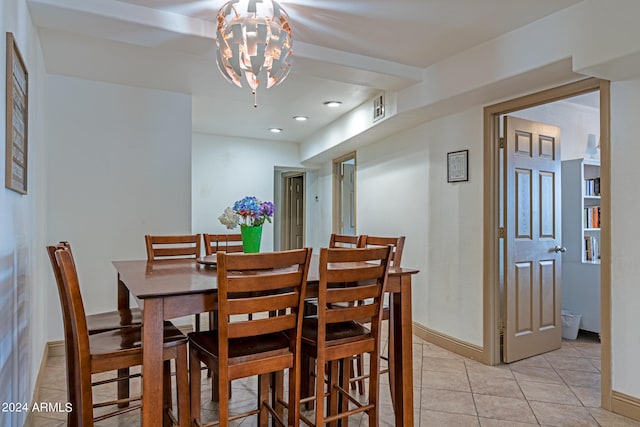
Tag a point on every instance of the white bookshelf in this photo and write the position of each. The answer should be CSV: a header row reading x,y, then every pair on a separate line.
x,y
581,237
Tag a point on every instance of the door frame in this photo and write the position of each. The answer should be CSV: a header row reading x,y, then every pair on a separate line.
x,y
337,191
286,214
491,211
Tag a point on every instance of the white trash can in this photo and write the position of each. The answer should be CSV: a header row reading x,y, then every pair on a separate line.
x,y
570,324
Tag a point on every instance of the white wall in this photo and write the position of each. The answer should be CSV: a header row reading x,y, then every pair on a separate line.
x,y
22,229
119,168
226,169
625,235
324,205
402,189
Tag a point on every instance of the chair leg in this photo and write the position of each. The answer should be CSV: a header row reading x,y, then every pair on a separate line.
x,y
320,401
277,392
223,392
345,377
332,405
294,396
215,397
197,322
182,387
195,377
213,325
123,386
263,400
374,389
166,391
306,380
391,359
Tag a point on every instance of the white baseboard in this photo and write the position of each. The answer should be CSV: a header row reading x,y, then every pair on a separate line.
x,y
447,342
626,405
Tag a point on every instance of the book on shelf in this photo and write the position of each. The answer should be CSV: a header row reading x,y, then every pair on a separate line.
x,y
591,249
592,187
592,217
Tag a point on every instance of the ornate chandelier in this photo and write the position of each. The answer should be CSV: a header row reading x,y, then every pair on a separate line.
x,y
253,38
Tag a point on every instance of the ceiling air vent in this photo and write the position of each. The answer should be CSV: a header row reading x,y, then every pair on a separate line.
x,y
378,107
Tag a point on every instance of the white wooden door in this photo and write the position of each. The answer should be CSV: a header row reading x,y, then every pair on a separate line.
x,y
533,243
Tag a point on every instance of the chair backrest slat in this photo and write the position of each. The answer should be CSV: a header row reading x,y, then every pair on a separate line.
x,y
354,274
352,293
345,241
173,252
229,243
257,283
175,246
258,303
267,325
357,312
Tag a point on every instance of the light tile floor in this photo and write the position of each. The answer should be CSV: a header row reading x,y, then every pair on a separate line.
x,y
560,388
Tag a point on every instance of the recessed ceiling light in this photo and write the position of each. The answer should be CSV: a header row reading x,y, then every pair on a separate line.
x,y
300,118
333,104
275,130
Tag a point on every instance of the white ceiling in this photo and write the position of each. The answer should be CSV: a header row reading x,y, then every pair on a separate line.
x,y
345,50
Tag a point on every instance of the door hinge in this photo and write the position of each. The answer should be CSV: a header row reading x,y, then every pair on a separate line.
x,y
501,142
501,233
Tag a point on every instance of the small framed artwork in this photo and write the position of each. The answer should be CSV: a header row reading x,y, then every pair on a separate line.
x,y
458,166
16,119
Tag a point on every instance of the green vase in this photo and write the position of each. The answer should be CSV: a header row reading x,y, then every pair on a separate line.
x,y
251,238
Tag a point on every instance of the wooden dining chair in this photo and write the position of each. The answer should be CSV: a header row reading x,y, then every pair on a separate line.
x,y
102,322
272,287
174,247
397,245
338,331
109,351
222,242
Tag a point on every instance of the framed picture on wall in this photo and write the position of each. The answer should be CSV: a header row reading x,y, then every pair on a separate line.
x,y
458,166
17,92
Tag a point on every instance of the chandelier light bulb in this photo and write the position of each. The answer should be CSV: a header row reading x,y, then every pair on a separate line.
x,y
254,41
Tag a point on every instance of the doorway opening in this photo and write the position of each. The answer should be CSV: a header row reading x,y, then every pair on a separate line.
x,y
293,211
344,195
494,322
579,199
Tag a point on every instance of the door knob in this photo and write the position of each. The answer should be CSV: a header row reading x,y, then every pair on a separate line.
x,y
560,249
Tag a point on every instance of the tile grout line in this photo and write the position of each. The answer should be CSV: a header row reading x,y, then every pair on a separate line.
x,y
569,387
473,396
525,395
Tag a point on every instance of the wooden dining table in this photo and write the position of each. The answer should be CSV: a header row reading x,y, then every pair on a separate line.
x,y
169,289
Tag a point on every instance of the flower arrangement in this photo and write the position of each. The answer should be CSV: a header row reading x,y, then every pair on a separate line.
x,y
248,212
